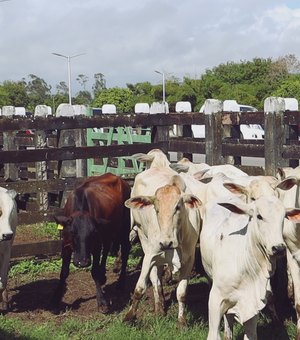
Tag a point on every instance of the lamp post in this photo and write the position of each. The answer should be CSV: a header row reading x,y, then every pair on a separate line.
x,y
164,88
69,70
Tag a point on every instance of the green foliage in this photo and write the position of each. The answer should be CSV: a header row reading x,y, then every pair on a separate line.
x,y
83,98
13,93
32,268
111,327
122,98
38,91
290,88
142,92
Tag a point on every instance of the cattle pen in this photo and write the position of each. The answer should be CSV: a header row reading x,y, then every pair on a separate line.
x,y
43,158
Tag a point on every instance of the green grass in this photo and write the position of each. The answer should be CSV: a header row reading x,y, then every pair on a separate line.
x,y
111,327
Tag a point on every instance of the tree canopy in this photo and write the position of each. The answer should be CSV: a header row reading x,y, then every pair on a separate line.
x,y
248,82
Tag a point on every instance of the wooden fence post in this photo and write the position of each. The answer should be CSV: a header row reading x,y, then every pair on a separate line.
x,y
213,131
274,134
292,131
9,144
160,133
40,142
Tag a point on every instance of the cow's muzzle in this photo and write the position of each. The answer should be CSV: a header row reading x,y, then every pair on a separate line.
x,y
279,250
166,245
82,263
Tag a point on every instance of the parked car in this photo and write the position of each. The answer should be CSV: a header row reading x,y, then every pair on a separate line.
x,y
248,131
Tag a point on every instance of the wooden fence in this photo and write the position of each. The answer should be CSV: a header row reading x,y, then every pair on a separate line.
x,y
38,155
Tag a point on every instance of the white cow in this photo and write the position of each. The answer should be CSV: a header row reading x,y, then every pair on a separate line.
x,y
239,246
154,158
185,165
291,235
8,224
168,222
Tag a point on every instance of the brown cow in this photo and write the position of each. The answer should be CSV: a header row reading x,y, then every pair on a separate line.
x,y
95,218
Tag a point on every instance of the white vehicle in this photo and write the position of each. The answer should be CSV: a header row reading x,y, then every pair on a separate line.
x,y
251,131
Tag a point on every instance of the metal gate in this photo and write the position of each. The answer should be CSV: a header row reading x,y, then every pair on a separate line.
x,y
110,136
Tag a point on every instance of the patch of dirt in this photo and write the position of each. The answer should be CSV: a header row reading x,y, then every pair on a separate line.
x,y
31,300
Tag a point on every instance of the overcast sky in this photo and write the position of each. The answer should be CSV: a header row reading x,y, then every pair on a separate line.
x,y
127,40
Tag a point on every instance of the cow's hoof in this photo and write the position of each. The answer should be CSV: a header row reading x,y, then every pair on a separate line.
x,y
129,318
181,323
159,310
103,309
5,306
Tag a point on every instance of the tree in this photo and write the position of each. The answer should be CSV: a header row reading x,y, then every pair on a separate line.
x,y
142,92
38,91
82,79
290,88
291,62
100,83
62,88
122,98
83,98
14,93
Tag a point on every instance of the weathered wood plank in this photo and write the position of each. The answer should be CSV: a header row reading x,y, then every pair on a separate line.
x,y
44,248
71,153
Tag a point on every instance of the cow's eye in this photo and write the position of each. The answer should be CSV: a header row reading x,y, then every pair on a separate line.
x,y
259,217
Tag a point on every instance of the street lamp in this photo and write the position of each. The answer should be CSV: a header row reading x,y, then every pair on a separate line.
x,y
164,88
69,70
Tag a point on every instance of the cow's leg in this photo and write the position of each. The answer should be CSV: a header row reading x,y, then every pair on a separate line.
x,y
184,275
216,311
295,275
125,249
140,288
99,277
66,255
228,326
5,258
5,299
250,328
159,300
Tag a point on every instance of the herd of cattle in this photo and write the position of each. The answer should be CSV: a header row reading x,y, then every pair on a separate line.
x,y
243,224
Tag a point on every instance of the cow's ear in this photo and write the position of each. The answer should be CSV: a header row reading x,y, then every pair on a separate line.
x,y
199,175
235,188
238,209
191,201
62,220
139,202
293,215
287,183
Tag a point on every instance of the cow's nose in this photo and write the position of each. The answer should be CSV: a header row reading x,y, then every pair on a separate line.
x,y
165,245
83,263
279,250
7,237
